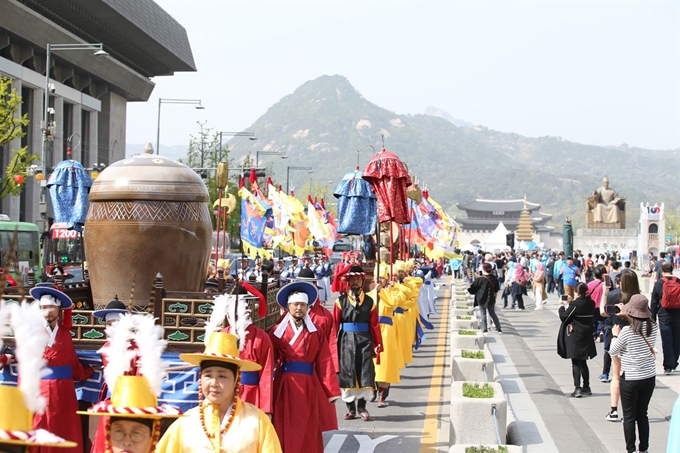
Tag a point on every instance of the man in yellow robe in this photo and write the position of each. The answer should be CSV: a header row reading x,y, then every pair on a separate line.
x,y
391,359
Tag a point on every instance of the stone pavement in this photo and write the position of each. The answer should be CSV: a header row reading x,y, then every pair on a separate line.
x,y
538,383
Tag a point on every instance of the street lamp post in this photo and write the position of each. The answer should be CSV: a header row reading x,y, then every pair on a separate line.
x,y
267,153
47,130
195,102
250,135
288,169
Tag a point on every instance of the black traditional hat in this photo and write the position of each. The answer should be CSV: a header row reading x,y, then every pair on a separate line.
x,y
355,270
306,274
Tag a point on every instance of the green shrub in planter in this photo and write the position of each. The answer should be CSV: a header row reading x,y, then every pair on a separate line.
x,y
477,390
464,318
472,354
467,332
482,449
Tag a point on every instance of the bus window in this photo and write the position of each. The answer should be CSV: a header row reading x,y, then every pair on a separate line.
x,y
27,247
65,247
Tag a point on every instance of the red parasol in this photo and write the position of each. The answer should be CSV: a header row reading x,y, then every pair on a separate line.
x,y
389,179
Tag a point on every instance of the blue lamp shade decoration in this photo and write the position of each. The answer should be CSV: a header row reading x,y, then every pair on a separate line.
x,y
69,186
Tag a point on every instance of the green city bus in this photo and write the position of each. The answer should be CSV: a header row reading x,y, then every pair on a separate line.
x,y
27,248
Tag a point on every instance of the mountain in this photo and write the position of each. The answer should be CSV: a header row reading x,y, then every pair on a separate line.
x,y
434,111
325,121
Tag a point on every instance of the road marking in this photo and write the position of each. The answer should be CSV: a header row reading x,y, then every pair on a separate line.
x,y
335,444
367,445
430,427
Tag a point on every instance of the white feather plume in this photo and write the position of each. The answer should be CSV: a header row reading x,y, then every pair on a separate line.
x,y
31,338
118,353
238,318
222,307
149,339
242,322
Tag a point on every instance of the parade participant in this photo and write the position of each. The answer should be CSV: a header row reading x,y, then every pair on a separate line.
x,y
390,360
303,358
356,318
323,320
294,268
222,421
256,387
132,415
59,387
18,404
339,284
322,272
111,314
408,314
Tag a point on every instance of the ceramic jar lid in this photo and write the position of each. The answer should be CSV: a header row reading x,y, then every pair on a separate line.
x,y
149,177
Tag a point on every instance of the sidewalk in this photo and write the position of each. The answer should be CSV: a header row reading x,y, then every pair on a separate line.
x,y
538,383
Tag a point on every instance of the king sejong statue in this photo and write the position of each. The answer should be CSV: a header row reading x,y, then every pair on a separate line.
x,y
605,209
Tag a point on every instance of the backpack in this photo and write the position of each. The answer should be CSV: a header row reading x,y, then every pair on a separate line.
x,y
670,296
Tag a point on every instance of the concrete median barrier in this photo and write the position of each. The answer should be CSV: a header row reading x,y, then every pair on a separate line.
x,y
478,420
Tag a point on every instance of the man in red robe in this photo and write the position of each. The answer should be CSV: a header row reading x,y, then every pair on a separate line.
x,y
323,321
58,387
304,364
257,387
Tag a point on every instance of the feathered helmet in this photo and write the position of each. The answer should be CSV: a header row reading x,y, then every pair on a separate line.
x,y
18,404
134,397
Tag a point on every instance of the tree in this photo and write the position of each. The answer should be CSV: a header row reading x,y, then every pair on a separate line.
x,y
13,127
203,155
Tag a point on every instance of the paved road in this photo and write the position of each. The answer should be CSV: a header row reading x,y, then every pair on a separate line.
x,y
537,382
417,417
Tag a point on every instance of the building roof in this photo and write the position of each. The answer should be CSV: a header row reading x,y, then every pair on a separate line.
x,y
480,204
470,223
138,33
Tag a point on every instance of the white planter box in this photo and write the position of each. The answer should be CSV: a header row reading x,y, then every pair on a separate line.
x,y
472,370
471,342
460,448
462,312
464,324
472,419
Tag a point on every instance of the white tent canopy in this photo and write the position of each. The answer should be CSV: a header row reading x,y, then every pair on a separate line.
x,y
496,241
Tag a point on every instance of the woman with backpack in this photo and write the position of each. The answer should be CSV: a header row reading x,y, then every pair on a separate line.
x,y
485,289
635,345
520,279
538,280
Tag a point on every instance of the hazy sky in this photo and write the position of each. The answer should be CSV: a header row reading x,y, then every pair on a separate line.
x,y
600,71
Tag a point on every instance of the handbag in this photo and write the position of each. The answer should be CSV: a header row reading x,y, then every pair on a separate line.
x,y
565,330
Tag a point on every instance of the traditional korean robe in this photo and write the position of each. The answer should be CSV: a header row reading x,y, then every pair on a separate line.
x,y
355,348
323,320
250,432
391,357
60,415
304,363
411,290
257,387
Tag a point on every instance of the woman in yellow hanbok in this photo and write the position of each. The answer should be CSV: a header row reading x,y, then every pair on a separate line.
x,y
222,422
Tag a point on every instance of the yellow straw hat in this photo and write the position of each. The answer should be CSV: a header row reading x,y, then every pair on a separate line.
x,y
132,398
383,271
222,347
399,266
16,423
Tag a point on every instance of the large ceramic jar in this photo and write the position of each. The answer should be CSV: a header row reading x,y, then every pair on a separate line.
x,y
148,214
